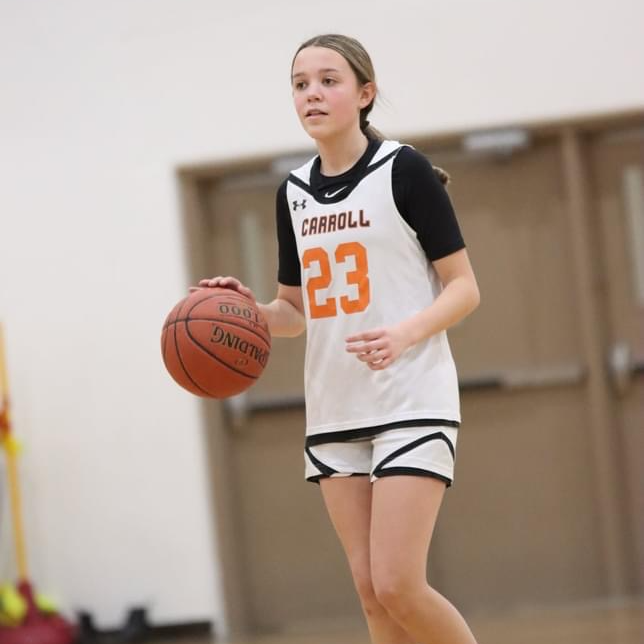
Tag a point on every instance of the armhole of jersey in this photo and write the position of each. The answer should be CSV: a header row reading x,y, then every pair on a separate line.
x,y
407,225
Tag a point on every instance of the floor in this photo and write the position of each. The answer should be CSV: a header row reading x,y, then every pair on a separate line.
x,y
589,624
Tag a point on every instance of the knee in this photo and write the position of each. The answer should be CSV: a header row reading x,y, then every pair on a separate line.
x,y
395,590
365,589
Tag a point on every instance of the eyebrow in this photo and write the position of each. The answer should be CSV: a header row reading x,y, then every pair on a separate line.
x,y
322,71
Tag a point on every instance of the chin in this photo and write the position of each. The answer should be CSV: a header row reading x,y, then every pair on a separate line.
x,y
320,133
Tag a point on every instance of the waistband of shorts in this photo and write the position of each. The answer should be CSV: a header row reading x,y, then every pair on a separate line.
x,y
368,432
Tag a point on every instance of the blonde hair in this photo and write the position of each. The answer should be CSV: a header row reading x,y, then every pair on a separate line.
x,y
360,62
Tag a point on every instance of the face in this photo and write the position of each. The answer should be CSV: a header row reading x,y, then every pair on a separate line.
x,y
327,96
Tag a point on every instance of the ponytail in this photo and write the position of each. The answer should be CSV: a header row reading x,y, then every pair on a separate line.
x,y
442,175
367,129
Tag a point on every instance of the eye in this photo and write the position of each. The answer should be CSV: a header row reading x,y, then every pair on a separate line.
x,y
329,81
299,85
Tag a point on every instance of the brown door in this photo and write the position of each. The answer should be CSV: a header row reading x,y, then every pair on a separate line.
x,y
518,527
616,159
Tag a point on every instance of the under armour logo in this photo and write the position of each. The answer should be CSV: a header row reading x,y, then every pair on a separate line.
x,y
301,204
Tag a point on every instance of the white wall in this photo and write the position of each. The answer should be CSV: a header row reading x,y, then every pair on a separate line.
x,y
100,101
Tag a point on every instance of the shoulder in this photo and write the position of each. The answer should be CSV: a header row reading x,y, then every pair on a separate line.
x,y
281,190
281,201
410,162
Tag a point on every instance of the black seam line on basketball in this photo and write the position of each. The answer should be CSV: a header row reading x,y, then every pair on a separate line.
x,y
325,469
225,321
165,344
414,471
212,355
180,306
177,308
350,187
176,347
416,443
368,432
231,294
183,303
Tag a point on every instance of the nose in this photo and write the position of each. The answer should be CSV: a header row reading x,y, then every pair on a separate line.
x,y
313,92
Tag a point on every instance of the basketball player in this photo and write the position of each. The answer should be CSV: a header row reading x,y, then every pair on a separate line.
x,y
373,265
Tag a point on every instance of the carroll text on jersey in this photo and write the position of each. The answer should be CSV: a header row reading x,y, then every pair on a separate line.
x,y
333,222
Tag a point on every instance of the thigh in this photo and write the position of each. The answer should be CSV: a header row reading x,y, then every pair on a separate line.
x,y
404,512
348,502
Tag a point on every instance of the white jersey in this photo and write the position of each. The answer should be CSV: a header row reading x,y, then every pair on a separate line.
x,y
362,267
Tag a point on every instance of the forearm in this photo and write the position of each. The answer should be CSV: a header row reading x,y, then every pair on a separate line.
x,y
455,302
283,318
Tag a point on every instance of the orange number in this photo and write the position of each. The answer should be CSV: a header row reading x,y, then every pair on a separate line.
x,y
359,277
328,309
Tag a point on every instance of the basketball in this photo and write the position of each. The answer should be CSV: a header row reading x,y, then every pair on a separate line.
x,y
215,343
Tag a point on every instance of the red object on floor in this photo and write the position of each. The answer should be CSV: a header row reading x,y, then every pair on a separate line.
x,y
38,628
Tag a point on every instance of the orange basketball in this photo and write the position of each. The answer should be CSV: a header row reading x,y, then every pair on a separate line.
x,y
215,343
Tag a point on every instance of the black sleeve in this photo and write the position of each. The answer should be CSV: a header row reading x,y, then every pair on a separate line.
x,y
424,204
288,272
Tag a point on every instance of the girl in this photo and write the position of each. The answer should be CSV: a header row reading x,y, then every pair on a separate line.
x,y
373,265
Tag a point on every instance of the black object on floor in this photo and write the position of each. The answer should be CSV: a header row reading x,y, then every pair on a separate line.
x,y
135,629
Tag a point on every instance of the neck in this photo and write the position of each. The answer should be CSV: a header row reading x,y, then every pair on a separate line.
x,y
339,154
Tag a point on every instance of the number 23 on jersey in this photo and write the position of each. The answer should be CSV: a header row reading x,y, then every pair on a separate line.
x,y
358,277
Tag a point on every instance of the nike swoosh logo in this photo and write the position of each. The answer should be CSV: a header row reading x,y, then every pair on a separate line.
x,y
328,195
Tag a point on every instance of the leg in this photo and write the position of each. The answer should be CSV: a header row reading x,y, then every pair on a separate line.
x,y
404,511
348,502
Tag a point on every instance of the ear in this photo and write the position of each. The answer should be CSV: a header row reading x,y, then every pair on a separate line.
x,y
367,94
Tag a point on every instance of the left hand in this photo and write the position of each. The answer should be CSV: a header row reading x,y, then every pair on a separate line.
x,y
378,348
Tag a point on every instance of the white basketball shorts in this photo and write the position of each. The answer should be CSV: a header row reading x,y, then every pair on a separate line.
x,y
411,451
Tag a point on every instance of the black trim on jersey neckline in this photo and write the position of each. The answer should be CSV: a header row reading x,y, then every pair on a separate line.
x,y
367,432
343,194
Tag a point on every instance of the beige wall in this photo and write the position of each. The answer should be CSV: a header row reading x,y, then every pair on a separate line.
x,y
100,102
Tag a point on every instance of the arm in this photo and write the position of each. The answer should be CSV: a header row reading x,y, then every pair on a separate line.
x,y
459,297
285,314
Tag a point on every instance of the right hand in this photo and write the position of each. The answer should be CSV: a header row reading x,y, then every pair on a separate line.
x,y
224,282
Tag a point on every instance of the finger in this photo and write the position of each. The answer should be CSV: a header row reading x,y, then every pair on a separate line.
x,y
192,289
210,281
373,334
372,356
225,282
379,366
367,346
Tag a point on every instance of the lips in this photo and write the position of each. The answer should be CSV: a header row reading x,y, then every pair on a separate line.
x,y
315,113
